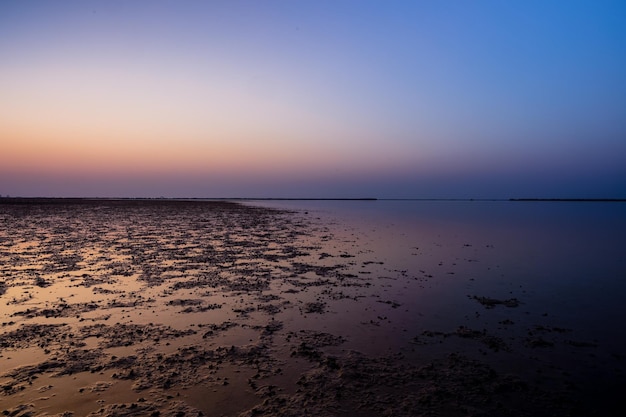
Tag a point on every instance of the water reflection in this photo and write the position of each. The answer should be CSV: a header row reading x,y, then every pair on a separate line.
x,y
564,261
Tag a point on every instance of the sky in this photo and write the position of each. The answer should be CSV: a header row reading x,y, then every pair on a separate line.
x,y
387,99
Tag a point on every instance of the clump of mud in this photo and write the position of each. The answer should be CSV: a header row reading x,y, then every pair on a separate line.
x,y
488,302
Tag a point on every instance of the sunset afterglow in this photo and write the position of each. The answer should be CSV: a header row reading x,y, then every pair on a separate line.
x,y
313,99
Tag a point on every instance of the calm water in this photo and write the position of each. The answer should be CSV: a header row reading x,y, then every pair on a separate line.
x,y
564,261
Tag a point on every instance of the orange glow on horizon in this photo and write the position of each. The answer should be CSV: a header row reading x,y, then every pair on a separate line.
x,y
84,153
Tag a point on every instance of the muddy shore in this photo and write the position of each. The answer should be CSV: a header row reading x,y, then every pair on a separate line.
x,y
188,308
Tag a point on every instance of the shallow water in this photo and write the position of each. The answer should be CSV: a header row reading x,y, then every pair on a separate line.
x,y
564,261
189,306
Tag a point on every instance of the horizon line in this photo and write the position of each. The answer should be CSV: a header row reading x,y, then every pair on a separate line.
x,y
524,199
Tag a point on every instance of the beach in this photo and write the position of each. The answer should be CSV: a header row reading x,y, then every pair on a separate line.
x,y
217,308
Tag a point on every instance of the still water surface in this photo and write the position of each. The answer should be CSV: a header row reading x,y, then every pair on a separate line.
x,y
564,261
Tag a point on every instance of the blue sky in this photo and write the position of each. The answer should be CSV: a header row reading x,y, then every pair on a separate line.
x,y
414,99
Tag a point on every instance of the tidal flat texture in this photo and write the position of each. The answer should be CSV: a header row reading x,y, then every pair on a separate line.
x,y
188,308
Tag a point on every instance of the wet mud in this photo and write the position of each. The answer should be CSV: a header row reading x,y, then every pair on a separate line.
x,y
195,308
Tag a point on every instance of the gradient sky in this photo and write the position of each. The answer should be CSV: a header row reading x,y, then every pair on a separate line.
x,y
413,99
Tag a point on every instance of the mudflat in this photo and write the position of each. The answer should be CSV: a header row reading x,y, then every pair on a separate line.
x,y
214,308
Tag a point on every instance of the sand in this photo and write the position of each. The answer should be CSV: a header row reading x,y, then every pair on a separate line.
x,y
188,308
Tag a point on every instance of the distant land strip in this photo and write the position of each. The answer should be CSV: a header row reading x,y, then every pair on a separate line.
x,y
7,199
149,199
303,199
591,200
